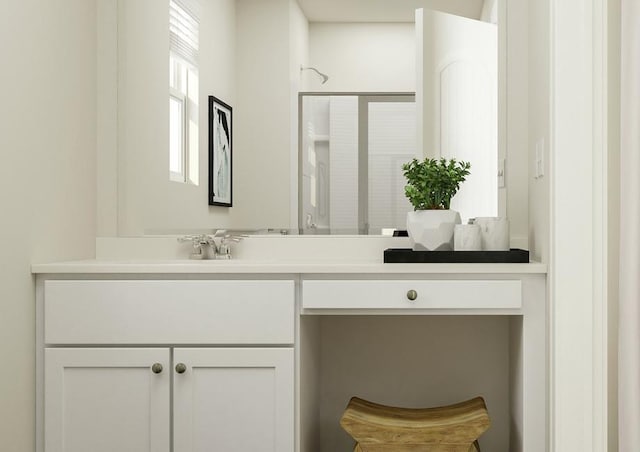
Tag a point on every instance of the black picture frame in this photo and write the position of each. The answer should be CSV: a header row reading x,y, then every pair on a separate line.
x,y
220,153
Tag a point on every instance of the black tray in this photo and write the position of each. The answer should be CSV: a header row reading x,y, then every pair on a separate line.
x,y
407,255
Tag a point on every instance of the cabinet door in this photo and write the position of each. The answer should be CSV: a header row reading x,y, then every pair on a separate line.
x,y
106,400
234,399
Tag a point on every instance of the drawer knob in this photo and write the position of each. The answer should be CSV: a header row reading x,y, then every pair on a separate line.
x,y
412,295
156,368
181,368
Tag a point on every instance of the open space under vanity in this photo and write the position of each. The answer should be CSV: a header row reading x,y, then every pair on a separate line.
x,y
248,355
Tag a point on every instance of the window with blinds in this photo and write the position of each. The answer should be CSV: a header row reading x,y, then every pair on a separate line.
x,y
183,91
183,30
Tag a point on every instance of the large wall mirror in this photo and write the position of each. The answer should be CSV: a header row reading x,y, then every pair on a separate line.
x,y
419,85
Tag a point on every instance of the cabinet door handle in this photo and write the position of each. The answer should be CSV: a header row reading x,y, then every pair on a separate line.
x,y
156,368
412,295
181,368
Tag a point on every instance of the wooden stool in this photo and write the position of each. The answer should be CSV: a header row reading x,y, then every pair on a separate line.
x,y
380,428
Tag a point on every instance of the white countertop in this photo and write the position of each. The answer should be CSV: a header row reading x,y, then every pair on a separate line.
x,y
242,266
266,255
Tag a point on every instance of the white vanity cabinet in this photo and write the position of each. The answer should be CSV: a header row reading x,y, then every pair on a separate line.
x,y
134,365
234,400
390,294
106,399
265,356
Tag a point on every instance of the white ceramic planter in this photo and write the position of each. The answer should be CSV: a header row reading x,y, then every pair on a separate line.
x,y
432,230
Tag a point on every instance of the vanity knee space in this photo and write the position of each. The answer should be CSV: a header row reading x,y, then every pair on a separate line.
x,y
424,340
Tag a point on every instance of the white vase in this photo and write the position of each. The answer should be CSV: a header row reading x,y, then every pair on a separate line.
x,y
467,237
494,232
432,230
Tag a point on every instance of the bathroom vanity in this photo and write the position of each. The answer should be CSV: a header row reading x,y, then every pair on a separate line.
x,y
181,356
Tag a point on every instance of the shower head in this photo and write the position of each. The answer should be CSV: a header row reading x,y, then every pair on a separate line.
x,y
325,77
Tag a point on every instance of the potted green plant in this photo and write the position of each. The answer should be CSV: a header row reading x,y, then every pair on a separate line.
x,y
431,183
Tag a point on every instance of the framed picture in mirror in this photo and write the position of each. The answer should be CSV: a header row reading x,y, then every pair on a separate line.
x,y
220,153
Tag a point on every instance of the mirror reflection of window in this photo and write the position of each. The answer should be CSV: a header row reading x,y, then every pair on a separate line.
x,y
176,138
183,91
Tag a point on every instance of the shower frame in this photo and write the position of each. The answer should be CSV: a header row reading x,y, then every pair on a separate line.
x,y
364,99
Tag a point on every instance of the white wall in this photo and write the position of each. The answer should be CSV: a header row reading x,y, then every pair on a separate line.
x,y
107,118
250,54
489,11
48,144
298,48
539,124
262,154
143,109
578,252
416,374
516,119
363,57
298,56
613,213
147,201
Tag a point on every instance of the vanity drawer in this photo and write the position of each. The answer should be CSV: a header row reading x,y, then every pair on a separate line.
x,y
395,294
169,312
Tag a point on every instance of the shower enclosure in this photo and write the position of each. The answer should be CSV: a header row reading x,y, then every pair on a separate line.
x,y
352,147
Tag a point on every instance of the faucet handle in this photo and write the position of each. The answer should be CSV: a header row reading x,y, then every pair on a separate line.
x,y
224,249
217,245
198,241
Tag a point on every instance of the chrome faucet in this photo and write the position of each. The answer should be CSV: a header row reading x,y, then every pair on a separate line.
x,y
216,246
